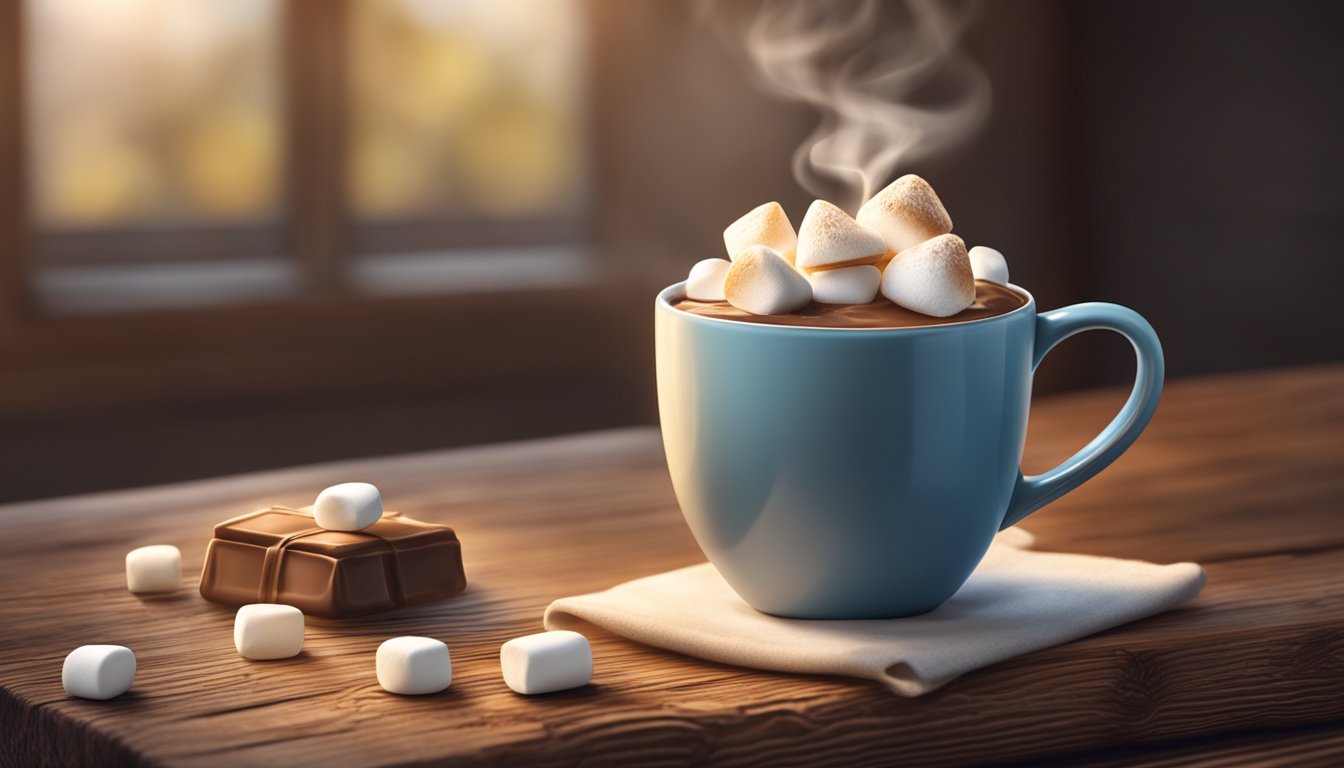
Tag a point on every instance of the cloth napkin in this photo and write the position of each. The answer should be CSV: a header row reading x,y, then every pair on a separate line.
x,y
1016,602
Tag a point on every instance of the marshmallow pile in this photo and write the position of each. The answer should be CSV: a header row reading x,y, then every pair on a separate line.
x,y
408,665
900,245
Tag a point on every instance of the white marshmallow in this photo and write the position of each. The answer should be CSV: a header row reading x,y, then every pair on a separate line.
x,y
705,283
906,213
762,283
268,631
546,662
348,507
156,568
932,278
988,264
98,671
414,666
828,237
846,285
766,225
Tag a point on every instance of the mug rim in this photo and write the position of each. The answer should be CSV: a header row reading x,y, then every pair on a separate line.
x,y
677,291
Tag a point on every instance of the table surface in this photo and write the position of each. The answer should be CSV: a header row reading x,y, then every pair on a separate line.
x,y
1242,473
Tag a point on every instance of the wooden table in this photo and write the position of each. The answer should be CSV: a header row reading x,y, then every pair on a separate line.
x,y
1244,474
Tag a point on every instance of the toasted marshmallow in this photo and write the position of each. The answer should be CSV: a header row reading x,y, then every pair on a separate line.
x,y
932,278
829,238
766,225
705,283
988,264
847,285
907,212
762,282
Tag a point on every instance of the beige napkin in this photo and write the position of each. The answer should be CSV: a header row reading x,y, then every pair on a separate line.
x,y
1016,602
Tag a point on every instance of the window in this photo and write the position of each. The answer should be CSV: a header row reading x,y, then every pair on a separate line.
x,y
208,151
153,112
467,109
465,131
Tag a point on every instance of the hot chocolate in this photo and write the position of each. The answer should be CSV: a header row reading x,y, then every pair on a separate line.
x,y
991,300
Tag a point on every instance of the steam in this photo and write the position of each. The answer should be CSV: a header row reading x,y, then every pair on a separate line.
x,y
889,94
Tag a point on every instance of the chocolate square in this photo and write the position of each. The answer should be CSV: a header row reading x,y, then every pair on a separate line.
x,y
281,555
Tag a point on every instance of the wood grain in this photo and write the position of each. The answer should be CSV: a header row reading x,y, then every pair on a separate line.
x,y
1240,473
1320,746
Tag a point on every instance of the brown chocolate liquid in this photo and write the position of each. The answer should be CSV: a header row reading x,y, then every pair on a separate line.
x,y
991,300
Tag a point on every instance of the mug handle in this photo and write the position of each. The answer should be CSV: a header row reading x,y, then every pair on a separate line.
x,y
1032,493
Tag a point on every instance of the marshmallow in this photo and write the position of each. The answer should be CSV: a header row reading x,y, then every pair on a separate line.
x,y
348,507
766,225
98,671
829,238
414,666
906,213
762,283
705,283
268,631
546,662
847,285
933,278
988,264
156,568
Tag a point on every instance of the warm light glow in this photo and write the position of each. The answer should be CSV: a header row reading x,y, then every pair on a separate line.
x,y
153,110
468,106
169,111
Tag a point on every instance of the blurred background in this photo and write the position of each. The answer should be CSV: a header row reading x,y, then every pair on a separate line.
x,y
240,234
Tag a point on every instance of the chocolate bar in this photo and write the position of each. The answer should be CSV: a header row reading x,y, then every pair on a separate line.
x,y
281,555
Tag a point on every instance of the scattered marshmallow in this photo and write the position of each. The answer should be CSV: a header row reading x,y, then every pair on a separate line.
x,y
762,283
932,278
988,264
268,631
846,285
907,212
705,283
546,662
98,671
348,507
828,238
156,568
414,666
766,225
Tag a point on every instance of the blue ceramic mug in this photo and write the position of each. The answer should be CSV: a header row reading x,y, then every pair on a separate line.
x,y
862,473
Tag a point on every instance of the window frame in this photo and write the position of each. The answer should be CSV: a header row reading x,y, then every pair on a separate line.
x,y
15,301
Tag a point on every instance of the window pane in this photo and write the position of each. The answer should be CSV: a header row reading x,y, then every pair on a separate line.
x,y
153,111
465,109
